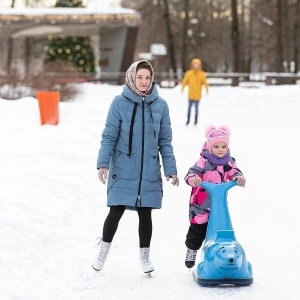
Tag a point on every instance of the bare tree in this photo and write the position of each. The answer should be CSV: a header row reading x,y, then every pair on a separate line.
x,y
248,48
185,28
280,56
248,41
170,36
245,38
297,37
9,47
286,36
235,36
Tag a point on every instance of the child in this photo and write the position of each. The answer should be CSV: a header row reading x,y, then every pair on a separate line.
x,y
195,79
215,165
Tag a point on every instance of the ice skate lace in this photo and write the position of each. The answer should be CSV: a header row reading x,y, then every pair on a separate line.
x,y
145,257
191,255
102,255
103,251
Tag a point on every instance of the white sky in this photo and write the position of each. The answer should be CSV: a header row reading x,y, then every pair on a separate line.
x,y
52,206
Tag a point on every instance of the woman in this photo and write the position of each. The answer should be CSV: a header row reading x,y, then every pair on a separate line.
x,y
136,133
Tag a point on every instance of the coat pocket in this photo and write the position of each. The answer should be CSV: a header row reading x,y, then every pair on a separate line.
x,y
198,196
153,172
125,165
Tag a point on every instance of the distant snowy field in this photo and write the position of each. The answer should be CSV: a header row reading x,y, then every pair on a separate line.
x,y
52,205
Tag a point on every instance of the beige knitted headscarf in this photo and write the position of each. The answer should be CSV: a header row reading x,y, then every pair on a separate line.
x,y
130,78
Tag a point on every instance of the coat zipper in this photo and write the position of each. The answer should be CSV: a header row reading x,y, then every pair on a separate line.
x,y
139,200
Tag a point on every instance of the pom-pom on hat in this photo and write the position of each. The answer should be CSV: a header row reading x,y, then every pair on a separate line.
x,y
216,135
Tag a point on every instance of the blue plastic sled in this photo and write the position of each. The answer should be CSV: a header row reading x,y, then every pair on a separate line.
x,y
223,260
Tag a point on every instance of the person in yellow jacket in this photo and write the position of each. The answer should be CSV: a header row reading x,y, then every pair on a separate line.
x,y
194,78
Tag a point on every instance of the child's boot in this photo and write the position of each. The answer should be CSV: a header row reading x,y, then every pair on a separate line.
x,y
101,255
145,260
190,258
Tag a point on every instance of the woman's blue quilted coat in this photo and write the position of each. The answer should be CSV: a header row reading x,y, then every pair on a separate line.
x,y
134,142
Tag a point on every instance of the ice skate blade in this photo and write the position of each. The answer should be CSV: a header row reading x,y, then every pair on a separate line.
x,y
148,274
98,270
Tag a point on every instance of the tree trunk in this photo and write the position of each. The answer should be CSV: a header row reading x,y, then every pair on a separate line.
x,y
243,39
280,56
249,40
185,51
170,37
286,37
235,36
297,37
9,47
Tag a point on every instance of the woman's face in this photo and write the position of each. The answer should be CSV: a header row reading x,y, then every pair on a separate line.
x,y
142,79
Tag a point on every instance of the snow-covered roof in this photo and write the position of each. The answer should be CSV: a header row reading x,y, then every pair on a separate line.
x,y
14,19
65,11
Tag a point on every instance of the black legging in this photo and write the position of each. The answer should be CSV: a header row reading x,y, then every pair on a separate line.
x,y
196,236
145,224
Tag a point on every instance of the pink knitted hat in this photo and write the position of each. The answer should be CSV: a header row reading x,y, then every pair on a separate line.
x,y
216,135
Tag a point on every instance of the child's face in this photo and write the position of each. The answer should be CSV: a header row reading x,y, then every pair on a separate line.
x,y
219,149
142,79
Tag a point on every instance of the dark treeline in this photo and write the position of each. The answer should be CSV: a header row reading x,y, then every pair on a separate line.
x,y
228,35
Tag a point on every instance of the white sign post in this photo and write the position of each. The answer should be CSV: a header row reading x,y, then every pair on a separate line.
x,y
158,49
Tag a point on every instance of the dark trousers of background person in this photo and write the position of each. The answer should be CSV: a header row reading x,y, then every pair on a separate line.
x,y
195,236
196,105
112,221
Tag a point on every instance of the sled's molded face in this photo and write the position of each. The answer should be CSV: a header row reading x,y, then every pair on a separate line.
x,y
228,259
225,256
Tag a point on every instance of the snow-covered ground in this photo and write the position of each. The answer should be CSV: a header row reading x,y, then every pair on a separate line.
x,y
52,205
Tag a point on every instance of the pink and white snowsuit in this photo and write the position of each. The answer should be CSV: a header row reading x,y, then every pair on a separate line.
x,y
199,207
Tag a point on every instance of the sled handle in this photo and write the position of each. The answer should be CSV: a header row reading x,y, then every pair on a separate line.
x,y
225,186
